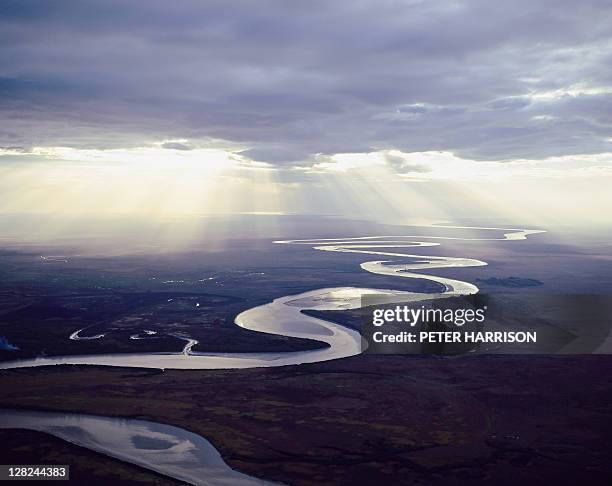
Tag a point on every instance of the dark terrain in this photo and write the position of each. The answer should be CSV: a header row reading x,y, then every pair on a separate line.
x,y
362,420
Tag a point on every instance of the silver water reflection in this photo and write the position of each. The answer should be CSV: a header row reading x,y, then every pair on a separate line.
x,y
284,316
168,450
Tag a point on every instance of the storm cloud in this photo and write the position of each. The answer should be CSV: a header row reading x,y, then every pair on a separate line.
x,y
288,80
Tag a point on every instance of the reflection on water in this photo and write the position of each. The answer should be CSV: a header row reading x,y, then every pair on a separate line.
x,y
168,450
284,317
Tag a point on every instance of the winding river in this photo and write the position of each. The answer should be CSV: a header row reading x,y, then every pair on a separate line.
x,y
284,316
166,449
189,457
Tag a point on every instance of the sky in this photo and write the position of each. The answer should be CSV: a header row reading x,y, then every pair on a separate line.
x,y
398,110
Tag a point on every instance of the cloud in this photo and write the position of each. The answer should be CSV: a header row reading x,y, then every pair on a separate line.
x,y
289,80
402,165
176,146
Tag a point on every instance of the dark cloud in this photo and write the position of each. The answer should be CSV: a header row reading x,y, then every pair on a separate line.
x,y
177,146
404,166
292,79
